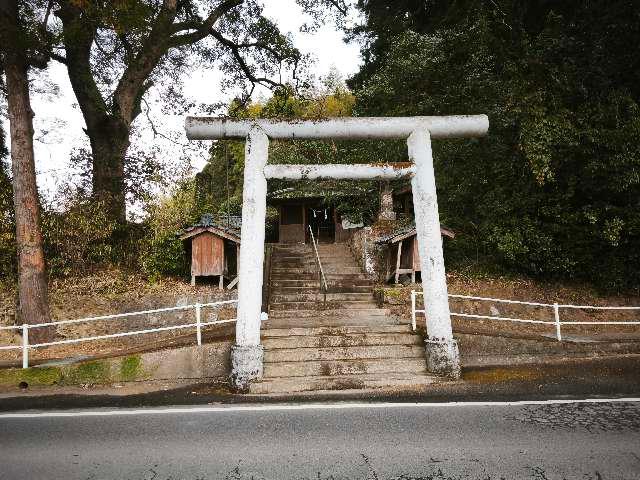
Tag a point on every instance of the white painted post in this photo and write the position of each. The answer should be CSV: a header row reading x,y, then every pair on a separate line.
x,y
25,345
442,350
247,353
198,324
556,316
413,310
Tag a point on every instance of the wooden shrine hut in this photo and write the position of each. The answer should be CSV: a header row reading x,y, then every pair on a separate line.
x,y
401,255
301,210
214,248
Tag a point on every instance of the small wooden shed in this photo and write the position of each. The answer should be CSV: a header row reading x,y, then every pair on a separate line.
x,y
402,255
214,249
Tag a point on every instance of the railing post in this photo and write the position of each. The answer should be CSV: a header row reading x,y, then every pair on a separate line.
x,y
556,316
25,345
198,324
413,310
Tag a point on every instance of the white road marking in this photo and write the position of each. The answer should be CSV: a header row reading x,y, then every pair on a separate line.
x,y
310,406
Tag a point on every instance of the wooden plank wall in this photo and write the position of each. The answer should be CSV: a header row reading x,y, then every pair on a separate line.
x,y
207,255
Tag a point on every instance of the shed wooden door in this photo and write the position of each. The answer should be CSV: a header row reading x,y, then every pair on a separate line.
x,y
207,255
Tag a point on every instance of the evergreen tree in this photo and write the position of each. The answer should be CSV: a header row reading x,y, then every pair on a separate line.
x,y
554,189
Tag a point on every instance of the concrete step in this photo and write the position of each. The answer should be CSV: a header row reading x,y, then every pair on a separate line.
x,y
333,247
268,333
337,270
339,313
341,269
347,277
319,304
292,272
339,340
276,277
343,353
315,288
332,263
311,289
294,283
358,279
330,321
345,367
342,382
318,296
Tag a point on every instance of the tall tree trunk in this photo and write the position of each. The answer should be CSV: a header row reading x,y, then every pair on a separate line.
x,y
32,279
109,137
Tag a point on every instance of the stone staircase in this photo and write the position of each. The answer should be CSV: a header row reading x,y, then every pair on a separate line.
x,y
347,342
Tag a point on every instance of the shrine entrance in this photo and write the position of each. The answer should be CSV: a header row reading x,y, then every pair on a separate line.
x,y
247,354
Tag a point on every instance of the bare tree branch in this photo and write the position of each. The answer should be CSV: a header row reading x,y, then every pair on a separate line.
x,y
201,28
235,51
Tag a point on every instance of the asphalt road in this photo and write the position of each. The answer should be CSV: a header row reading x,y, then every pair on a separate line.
x,y
474,441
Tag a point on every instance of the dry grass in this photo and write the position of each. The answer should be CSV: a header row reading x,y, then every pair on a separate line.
x,y
524,289
107,292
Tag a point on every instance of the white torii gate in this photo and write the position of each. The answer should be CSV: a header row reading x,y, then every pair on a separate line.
x,y
247,353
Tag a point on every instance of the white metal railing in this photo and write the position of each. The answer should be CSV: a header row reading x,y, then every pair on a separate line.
x,y
197,307
323,280
555,306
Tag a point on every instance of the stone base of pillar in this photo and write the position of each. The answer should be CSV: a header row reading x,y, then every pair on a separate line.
x,y
246,365
443,357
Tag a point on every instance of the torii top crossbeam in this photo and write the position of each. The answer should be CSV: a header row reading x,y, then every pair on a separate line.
x,y
355,128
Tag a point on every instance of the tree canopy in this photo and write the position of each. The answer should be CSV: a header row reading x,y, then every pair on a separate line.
x,y
219,184
115,52
554,189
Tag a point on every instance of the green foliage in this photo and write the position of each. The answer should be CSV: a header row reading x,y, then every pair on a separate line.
x,y
78,236
130,368
219,184
33,376
554,189
7,221
95,372
162,252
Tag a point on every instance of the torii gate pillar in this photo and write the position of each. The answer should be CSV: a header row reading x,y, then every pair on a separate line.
x,y
443,356
247,354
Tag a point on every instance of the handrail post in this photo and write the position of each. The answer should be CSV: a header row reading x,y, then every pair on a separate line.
x,y
556,316
198,324
413,310
25,345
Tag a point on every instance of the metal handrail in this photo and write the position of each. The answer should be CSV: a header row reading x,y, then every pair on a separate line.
x,y
323,280
26,345
555,306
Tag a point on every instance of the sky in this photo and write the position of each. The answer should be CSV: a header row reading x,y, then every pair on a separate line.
x,y
58,122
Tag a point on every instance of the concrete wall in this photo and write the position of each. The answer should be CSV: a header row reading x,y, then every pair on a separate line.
x,y
207,362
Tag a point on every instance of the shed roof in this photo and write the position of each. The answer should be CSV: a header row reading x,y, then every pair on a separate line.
x,y
407,231
226,227
319,190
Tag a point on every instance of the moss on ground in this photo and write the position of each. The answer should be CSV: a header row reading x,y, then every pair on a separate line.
x,y
31,376
131,368
498,374
93,373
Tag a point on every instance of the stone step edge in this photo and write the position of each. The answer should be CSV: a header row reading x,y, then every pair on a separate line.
x,y
329,314
355,382
377,340
414,352
306,368
336,331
